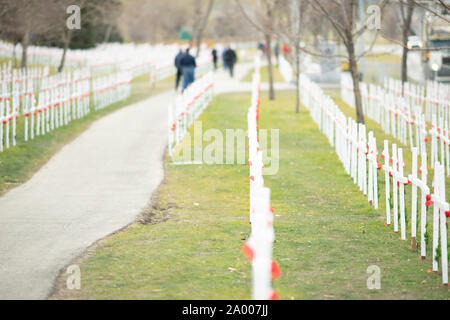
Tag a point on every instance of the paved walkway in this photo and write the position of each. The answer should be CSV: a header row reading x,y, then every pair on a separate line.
x,y
94,186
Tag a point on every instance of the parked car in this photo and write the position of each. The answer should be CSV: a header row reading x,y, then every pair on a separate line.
x,y
414,42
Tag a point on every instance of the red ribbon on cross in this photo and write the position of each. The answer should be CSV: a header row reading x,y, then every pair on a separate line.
x,y
275,270
248,252
274,295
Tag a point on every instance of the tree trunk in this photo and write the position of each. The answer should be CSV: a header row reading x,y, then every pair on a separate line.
x,y
66,45
202,26
270,67
405,31
353,65
199,42
107,33
404,65
25,42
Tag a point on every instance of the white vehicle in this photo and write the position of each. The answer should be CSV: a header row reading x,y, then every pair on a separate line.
x,y
414,42
436,36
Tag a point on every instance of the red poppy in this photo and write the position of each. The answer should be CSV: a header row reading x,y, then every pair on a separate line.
x,y
275,269
274,296
248,252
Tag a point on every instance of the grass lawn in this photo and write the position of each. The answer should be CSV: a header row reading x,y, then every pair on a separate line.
x,y
188,243
18,163
384,58
375,71
277,77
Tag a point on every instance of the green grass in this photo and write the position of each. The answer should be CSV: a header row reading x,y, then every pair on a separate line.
x,y
277,77
18,163
326,232
384,58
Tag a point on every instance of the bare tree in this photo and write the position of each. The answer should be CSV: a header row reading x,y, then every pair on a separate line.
x,y
200,19
264,13
435,7
406,18
57,17
26,20
342,17
291,25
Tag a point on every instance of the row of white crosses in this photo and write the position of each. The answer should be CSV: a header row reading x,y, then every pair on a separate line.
x,y
440,142
187,108
437,100
104,58
48,102
259,246
394,167
285,69
110,89
351,148
399,180
434,98
356,150
392,112
440,214
402,116
8,116
13,94
61,98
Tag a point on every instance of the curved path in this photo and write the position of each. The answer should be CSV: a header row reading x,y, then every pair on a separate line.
x,y
92,187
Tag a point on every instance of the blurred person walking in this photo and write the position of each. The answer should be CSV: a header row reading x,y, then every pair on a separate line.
x,y
276,50
188,65
230,59
214,57
178,66
223,58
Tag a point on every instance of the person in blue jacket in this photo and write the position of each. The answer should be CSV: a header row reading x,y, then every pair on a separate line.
x,y
223,58
188,65
178,66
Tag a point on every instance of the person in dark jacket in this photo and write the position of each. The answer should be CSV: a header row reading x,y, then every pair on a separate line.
x,y
224,51
230,59
178,66
214,57
188,65
276,50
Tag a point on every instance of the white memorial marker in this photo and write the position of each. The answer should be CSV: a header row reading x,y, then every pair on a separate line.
x,y
395,185
387,173
414,180
402,181
440,212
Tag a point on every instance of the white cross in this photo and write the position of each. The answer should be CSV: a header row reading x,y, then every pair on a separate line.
x,y
422,184
387,171
440,207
